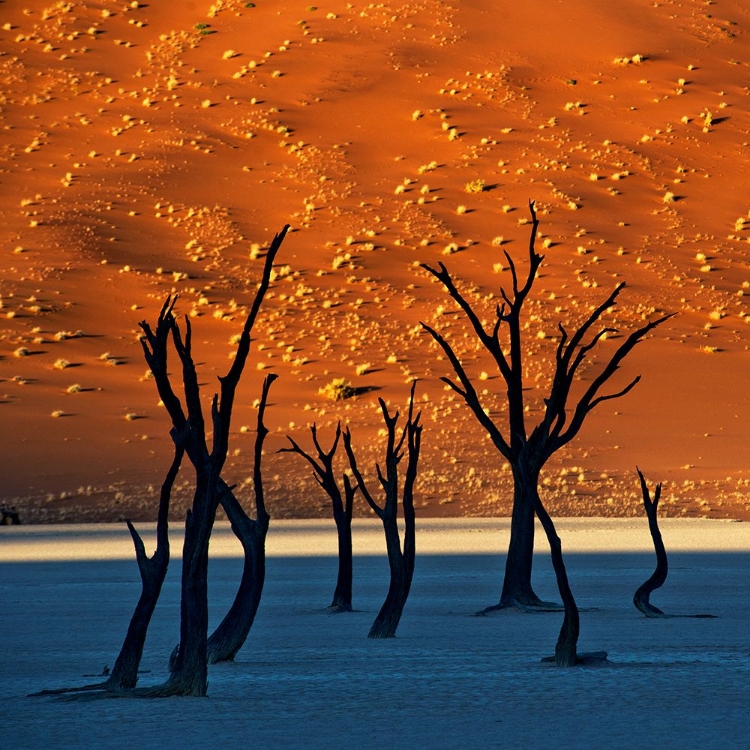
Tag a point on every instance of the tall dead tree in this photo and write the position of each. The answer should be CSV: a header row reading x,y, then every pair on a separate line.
x,y
189,674
153,571
400,561
528,448
343,509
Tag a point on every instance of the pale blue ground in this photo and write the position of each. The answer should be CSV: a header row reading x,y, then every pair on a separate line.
x,y
450,680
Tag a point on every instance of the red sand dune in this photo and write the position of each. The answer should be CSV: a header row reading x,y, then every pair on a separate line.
x,y
147,149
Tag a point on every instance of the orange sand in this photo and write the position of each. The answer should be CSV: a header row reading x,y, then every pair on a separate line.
x,y
142,155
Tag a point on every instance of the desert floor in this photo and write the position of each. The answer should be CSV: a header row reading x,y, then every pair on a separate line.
x,y
149,149
449,679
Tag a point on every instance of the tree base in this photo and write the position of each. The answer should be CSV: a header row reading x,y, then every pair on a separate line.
x,y
381,635
169,689
337,609
67,690
659,615
589,659
522,604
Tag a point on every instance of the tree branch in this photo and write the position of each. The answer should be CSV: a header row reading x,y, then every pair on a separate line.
x,y
229,382
469,393
590,398
358,474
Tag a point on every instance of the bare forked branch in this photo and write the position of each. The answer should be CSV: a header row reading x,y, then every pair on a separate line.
x,y
230,381
468,392
535,261
591,398
322,466
489,340
162,522
261,434
184,349
347,435
388,478
154,345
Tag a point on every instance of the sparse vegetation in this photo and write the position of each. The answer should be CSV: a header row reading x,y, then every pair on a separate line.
x,y
339,389
475,186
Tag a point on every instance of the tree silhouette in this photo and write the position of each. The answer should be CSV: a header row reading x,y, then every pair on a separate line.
x,y
644,591
526,447
342,506
400,561
153,571
190,669
642,596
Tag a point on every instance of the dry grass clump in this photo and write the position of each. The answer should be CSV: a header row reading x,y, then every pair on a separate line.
x,y
635,59
64,335
475,186
338,389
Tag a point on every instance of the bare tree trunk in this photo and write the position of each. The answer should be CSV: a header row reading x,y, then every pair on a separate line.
x,y
342,595
517,590
565,649
232,632
189,676
641,598
402,572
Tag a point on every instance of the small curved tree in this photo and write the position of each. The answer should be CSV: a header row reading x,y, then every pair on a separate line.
x,y
641,599
527,448
642,596
153,571
343,510
400,561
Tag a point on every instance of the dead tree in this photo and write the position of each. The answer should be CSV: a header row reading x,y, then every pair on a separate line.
x,y
401,561
343,508
230,635
189,675
641,598
153,571
643,593
527,448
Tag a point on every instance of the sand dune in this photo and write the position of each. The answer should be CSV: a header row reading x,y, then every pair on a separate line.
x,y
146,150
